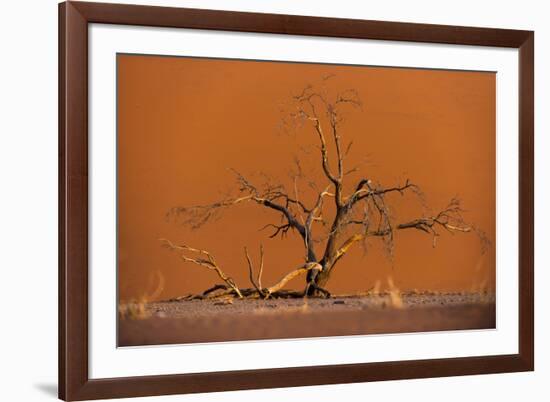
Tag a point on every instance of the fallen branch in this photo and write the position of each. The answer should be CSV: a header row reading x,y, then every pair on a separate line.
x,y
209,262
291,275
231,288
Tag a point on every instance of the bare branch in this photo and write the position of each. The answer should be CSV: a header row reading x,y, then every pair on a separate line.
x,y
208,262
364,190
324,152
450,219
197,216
260,272
283,229
315,214
251,272
307,97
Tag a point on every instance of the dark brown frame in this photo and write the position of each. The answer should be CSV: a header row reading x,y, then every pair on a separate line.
x,y
74,17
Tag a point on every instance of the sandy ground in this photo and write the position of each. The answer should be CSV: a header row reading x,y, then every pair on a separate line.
x,y
218,320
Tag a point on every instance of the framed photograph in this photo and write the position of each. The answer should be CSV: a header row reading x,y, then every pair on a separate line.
x,y
258,200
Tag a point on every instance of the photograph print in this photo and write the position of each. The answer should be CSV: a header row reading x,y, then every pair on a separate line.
x,y
280,200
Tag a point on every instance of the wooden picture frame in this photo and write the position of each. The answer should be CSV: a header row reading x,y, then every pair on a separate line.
x,y
74,381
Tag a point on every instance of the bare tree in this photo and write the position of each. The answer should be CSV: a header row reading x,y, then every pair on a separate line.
x,y
355,216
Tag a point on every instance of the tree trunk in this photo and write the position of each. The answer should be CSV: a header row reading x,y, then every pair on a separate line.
x,y
331,249
323,277
319,278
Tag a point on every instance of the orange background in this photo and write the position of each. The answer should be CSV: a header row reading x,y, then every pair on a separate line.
x,y
182,122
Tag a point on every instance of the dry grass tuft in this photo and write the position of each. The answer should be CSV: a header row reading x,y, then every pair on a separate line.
x,y
133,310
396,301
136,309
376,289
304,308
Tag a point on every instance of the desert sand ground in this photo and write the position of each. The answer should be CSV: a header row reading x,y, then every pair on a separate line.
x,y
199,321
